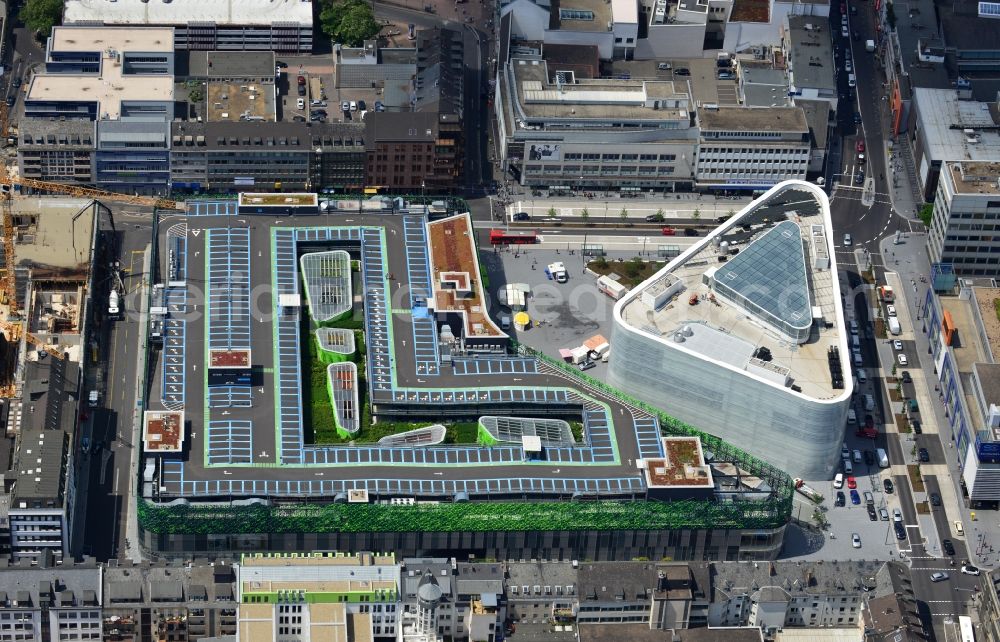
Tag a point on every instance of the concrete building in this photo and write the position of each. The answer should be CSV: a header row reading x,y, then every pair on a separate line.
x,y
714,333
966,204
168,602
612,27
750,148
284,26
947,128
808,50
266,156
557,129
118,82
968,374
50,603
327,596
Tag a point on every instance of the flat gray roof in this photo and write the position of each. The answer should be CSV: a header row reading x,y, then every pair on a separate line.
x,y
742,119
942,118
811,52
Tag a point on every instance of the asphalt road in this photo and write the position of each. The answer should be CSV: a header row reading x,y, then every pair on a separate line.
x,y
105,492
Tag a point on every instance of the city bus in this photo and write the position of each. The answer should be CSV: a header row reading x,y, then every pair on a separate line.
x,y
500,237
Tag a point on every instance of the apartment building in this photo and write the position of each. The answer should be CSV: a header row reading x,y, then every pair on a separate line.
x,y
168,602
119,83
670,596
966,214
50,603
44,489
751,148
284,26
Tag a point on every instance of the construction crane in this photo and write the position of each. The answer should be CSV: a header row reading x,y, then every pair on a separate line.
x,y
14,330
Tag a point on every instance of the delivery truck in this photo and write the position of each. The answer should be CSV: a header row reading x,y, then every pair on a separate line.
x,y
894,325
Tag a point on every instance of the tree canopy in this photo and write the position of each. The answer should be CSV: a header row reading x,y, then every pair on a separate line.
x,y
41,15
349,22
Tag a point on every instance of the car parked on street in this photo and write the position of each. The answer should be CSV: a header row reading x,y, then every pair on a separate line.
x,y
887,485
897,345
852,483
906,376
855,497
924,456
841,499
935,499
903,361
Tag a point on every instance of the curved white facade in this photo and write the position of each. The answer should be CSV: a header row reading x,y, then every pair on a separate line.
x,y
698,383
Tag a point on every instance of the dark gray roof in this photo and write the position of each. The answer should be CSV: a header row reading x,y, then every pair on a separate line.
x,y
479,579
795,578
166,591
46,132
400,127
414,571
265,136
818,118
69,584
40,471
239,64
533,574
440,71
617,580
988,375
127,591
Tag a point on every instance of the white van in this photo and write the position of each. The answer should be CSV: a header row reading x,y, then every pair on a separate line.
x,y
883,459
848,468
857,456
838,480
852,417
869,403
857,358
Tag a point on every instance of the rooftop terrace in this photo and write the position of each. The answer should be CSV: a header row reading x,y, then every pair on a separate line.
x,y
453,252
684,465
758,295
163,431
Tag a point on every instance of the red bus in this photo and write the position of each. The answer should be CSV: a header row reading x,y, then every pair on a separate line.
x,y
499,237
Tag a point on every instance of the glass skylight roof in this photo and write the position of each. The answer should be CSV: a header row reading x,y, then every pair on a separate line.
x,y
768,279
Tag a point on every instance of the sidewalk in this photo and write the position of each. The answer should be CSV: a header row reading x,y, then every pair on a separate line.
x,y
910,262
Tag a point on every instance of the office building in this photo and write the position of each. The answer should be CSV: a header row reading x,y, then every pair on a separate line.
x,y
968,373
751,147
557,129
808,50
743,334
119,84
266,156
966,212
284,26
946,128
